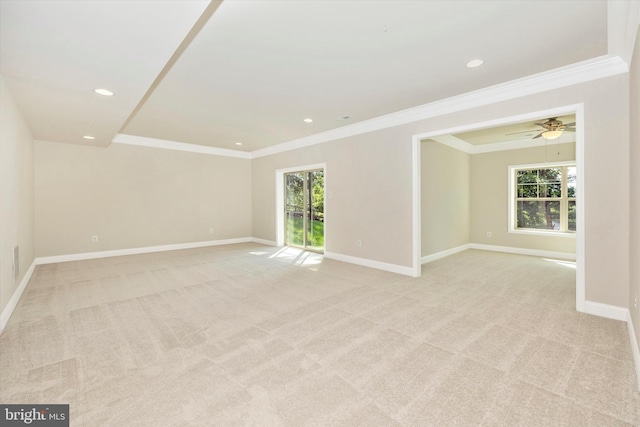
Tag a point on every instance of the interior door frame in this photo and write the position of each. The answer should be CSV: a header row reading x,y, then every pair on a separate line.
x,y
578,110
280,200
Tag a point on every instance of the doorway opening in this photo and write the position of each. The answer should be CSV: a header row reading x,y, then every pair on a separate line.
x,y
578,110
304,209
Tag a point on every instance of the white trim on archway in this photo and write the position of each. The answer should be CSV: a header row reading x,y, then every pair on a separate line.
x,y
578,110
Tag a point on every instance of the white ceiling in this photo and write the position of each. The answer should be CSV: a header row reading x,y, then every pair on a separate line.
x,y
54,53
256,69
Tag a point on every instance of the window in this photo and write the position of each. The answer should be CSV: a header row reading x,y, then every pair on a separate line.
x,y
543,198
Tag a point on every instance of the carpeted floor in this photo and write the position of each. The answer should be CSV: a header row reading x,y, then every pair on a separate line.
x,y
249,335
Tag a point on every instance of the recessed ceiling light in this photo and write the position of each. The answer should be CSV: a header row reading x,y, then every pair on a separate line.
x,y
89,137
238,143
308,120
105,92
474,63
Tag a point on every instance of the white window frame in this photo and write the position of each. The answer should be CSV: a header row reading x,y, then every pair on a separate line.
x,y
564,201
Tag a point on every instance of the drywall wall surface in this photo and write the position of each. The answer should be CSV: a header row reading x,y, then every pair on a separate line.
x,y
634,212
16,195
368,190
445,188
363,207
490,197
606,167
132,197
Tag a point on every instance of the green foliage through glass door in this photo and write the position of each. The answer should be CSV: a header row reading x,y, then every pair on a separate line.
x,y
304,209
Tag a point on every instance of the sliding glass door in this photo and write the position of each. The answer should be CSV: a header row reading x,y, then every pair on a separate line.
x,y
304,209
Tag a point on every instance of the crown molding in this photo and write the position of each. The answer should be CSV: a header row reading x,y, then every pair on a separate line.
x,y
623,18
581,72
517,145
464,146
178,146
84,143
455,143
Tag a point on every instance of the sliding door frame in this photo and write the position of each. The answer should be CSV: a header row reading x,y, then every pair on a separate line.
x,y
280,199
307,210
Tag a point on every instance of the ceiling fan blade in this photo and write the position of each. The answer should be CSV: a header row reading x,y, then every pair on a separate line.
x,y
524,131
538,135
570,124
540,124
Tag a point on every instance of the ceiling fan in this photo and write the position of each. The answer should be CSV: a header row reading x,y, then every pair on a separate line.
x,y
551,129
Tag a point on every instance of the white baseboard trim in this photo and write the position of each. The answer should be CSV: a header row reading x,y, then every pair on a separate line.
x,y
393,268
137,251
264,242
442,254
634,346
523,251
605,310
15,298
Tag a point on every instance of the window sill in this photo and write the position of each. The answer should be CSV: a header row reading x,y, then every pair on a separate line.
x,y
544,233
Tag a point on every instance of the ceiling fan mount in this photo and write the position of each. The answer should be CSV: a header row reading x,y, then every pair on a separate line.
x,y
552,128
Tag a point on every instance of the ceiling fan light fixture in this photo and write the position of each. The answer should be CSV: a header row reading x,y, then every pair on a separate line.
x,y
551,134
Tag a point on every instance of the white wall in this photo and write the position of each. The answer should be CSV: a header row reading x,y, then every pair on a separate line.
x,y
121,193
368,194
490,197
634,211
445,187
606,168
16,194
371,176
465,196
132,197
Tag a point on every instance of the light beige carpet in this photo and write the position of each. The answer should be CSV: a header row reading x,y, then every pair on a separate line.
x,y
249,335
